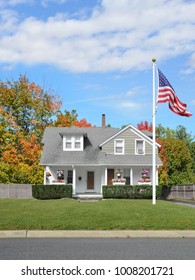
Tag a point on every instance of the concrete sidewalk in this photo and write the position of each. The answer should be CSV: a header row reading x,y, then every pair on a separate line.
x,y
97,234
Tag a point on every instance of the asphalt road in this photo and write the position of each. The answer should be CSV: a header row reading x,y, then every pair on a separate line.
x,y
97,249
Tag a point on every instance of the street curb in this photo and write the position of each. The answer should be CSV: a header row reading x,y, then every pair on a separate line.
x,y
13,234
98,234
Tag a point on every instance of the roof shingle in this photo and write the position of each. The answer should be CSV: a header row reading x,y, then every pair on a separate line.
x,y
53,153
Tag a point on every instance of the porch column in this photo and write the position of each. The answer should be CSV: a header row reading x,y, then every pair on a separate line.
x,y
106,175
44,179
131,176
74,180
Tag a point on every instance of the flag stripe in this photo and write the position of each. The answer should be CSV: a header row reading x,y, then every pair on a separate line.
x,y
169,95
166,93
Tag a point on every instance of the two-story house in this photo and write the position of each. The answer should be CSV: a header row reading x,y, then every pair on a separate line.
x,y
89,158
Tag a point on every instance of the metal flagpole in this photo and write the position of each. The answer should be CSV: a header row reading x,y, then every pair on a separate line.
x,y
154,136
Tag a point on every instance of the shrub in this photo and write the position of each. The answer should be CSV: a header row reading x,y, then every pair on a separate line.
x,y
131,192
51,191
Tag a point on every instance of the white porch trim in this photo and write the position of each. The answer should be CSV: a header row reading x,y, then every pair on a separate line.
x,y
74,181
131,176
106,176
44,179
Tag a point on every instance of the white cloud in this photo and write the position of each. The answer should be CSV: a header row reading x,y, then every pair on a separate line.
x,y
119,35
46,3
8,3
128,105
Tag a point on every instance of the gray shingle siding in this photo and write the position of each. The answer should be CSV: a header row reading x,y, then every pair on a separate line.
x,y
129,142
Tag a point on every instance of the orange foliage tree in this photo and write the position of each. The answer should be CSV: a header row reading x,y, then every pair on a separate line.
x,y
144,125
70,119
25,110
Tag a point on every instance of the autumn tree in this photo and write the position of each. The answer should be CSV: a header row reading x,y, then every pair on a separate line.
x,y
26,107
82,123
144,125
68,119
25,110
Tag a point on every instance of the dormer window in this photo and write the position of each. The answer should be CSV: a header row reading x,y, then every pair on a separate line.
x,y
68,142
139,147
73,143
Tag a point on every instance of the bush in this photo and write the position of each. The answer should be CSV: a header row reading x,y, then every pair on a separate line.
x,y
131,192
51,191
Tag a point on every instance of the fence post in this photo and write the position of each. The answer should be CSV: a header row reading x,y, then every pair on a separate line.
x,y
184,191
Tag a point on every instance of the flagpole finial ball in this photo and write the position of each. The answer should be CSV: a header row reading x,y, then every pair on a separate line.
x,y
154,60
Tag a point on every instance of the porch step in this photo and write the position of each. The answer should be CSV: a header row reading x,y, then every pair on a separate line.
x,y
88,197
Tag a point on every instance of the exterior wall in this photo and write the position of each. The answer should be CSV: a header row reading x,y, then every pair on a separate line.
x,y
130,138
81,179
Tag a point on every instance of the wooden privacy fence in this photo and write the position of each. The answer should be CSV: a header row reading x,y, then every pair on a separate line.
x,y
15,191
180,192
25,191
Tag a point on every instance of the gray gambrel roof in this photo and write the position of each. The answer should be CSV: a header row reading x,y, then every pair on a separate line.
x,y
94,137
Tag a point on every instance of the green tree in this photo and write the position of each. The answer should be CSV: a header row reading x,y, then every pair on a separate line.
x,y
177,154
182,134
165,132
192,152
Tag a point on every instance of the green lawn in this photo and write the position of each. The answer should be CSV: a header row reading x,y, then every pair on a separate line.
x,y
69,214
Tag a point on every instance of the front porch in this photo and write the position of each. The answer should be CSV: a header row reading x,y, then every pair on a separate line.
x,y
88,180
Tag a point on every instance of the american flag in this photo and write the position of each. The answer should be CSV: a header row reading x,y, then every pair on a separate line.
x,y
166,93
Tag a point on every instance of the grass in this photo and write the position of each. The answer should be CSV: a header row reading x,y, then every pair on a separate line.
x,y
69,214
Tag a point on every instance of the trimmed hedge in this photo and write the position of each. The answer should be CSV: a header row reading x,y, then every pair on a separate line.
x,y
130,192
51,191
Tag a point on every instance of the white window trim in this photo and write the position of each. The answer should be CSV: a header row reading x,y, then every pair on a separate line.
x,y
123,146
73,140
136,153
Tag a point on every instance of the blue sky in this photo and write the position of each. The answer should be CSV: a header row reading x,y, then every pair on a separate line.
x,y
97,54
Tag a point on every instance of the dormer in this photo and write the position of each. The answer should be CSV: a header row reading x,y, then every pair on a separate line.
x,y
73,141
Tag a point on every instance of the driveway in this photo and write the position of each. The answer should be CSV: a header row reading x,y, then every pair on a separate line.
x,y
185,203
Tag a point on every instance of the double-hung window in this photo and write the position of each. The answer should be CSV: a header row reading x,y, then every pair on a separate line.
x,y
68,143
73,143
77,142
119,146
140,147
70,177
